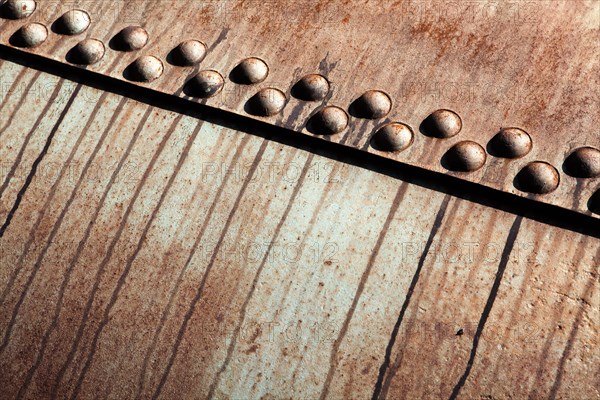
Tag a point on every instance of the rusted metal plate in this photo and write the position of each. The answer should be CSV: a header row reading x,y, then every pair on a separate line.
x,y
527,64
152,254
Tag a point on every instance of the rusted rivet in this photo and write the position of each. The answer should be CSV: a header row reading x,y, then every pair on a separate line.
x,y
442,124
584,162
189,53
30,35
250,71
130,39
372,104
17,9
267,102
86,52
205,84
594,202
395,136
537,177
510,143
73,22
144,69
311,87
465,156
328,121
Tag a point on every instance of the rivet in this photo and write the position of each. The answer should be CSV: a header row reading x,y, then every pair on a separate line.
x,y
145,69
250,71
395,136
537,177
86,52
465,156
328,121
130,39
73,22
584,162
189,53
311,87
205,84
373,104
17,9
442,124
267,102
30,35
594,202
510,143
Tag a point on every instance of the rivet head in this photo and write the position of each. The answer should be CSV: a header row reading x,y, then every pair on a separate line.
x,y
205,84
584,162
442,124
328,121
538,177
465,156
311,87
250,71
373,104
510,143
86,52
267,102
594,202
17,9
30,35
189,53
131,38
145,69
393,137
73,22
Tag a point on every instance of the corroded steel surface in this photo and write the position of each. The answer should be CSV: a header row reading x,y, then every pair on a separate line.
x,y
152,254
527,64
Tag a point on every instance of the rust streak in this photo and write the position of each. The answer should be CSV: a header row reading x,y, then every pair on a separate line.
x,y
363,280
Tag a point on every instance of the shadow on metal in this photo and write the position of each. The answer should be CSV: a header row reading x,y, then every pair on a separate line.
x,y
526,207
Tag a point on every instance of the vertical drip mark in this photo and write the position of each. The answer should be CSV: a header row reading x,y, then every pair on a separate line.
x,y
569,346
29,135
363,281
167,309
510,241
36,225
82,243
131,259
236,332
198,295
415,279
40,157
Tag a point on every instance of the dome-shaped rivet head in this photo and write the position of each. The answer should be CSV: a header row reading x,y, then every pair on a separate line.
x,y
584,162
594,202
86,52
205,84
189,53
537,177
442,124
145,69
393,137
30,35
510,143
73,22
267,102
311,87
131,38
250,71
17,9
328,121
373,104
465,156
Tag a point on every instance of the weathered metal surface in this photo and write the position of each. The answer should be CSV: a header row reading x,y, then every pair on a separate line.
x,y
152,254
532,65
